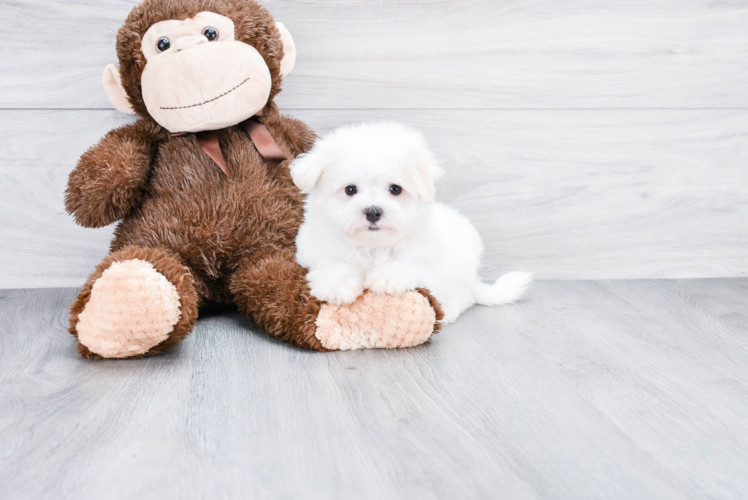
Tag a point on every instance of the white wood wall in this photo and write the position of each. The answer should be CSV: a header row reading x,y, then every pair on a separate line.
x,y
586,139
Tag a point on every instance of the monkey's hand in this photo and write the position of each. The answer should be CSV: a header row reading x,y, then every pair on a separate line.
x,y
109,178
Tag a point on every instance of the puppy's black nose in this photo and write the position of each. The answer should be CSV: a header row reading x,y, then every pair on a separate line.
x,y
373,214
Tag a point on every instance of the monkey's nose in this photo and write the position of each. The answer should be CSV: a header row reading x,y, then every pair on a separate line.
x,y
373,214
188,42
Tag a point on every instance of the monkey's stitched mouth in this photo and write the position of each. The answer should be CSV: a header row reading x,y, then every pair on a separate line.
x,y
209,100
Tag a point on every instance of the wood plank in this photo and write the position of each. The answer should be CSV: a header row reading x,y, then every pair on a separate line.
x,y
622,389
565,194
426,54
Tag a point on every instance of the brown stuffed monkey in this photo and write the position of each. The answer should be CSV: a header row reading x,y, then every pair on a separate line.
x,y
201,185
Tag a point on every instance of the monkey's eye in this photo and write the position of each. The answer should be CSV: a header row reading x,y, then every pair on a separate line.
x,y
211,34
395,189
163,44
351,190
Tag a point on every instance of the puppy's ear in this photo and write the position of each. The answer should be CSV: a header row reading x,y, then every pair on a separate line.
x,y
421,172
306,170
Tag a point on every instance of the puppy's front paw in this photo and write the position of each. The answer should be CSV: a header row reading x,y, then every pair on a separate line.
x,y
388,284
337,294
336,286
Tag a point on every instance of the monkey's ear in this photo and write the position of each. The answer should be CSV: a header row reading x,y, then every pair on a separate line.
x,y
115,91
289,50
306,170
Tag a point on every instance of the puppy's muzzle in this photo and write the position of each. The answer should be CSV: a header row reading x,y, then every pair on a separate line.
x,y
373,214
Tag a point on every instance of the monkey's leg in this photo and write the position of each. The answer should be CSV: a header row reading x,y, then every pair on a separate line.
x,y
273,292
139,302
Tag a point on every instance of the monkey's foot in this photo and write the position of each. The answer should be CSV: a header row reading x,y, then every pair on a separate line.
x,y
379,321
130,308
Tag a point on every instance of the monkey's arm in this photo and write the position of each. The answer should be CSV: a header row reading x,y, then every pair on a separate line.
x,y
299,134
109,178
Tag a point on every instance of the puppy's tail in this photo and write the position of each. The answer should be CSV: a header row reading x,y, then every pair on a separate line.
x,y
507,289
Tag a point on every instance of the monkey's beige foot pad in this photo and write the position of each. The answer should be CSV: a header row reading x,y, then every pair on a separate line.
x,y
132,308
377,321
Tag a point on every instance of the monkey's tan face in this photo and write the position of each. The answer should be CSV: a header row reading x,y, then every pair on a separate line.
x,y
198,77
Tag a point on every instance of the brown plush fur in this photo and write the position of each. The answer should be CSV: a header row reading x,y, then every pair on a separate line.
x,y
436,306
274,292
99,196
235,236
217,239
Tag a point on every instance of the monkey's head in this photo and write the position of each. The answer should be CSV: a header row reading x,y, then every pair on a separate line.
x,y
195,65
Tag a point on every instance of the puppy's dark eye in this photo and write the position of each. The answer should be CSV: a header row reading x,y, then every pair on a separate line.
x,y
395,189
163,44
211,34
351,190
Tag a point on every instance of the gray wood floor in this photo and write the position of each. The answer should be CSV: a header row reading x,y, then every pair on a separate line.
x,y
607,389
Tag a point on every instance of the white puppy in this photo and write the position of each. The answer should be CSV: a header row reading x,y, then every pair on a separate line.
x,y
371,222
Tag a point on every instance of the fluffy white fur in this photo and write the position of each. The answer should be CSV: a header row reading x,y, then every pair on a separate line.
x,y
418,242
